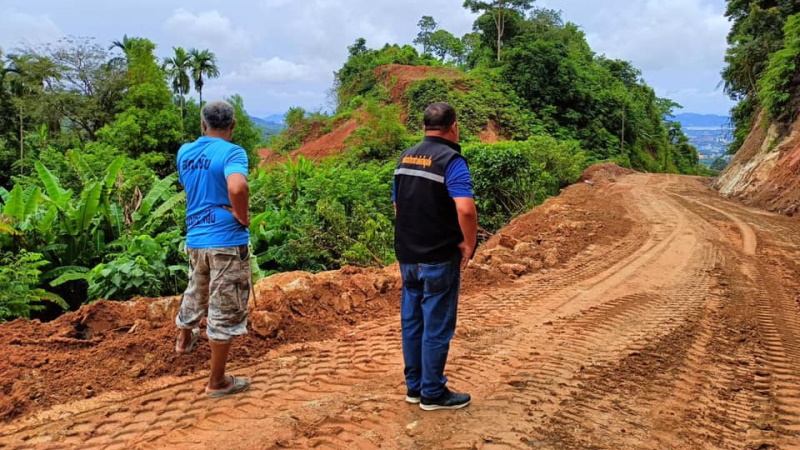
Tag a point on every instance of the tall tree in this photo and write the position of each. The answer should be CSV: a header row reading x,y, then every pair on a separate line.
x,y
443,45
178,69
427,25
204,64
150,122
89,89
499,10
32,75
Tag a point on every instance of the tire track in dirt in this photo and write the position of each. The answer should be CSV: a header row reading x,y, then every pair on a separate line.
x,y
288,381
607,333
761,283
541,376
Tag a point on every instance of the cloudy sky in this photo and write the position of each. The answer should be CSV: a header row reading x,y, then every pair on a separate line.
x,y
282,53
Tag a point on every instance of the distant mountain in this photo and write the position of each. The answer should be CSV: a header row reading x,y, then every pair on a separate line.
x,y
276,118
702,120
269,125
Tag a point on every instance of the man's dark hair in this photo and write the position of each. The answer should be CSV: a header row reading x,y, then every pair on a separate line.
x,y
439,117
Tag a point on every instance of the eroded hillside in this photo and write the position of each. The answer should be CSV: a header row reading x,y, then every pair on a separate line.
x,y
766,170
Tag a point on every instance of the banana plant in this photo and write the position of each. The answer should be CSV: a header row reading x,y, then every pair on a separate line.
x,y
71,233
149,216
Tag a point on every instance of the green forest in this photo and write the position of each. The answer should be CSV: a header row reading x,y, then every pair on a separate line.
x,y
90,206
762,62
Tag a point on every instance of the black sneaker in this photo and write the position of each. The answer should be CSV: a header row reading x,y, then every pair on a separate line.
x,y
413,397
448,400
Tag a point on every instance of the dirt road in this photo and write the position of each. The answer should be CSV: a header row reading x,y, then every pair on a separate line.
x,y
685,334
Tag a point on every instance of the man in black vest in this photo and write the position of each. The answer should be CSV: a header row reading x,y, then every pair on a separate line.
x,y
435,237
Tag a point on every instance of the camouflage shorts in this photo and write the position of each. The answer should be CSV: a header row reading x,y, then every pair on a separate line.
x,y
219,287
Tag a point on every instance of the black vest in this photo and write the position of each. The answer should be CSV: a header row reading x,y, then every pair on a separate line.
x,y
427,228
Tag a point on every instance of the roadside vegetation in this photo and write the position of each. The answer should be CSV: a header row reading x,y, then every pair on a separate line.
x,y
763,57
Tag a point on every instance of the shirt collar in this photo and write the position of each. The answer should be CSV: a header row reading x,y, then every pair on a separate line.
x,y
208,139
439,140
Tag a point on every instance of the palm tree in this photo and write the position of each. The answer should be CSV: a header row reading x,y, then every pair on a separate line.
x,y
204,63
124,44
177,69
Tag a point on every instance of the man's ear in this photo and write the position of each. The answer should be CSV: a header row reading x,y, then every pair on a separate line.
x,y
233,125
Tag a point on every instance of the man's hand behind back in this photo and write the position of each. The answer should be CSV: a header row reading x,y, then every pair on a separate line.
x,y
239,194
466,254
468,220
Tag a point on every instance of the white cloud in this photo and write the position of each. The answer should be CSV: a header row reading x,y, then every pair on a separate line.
x,y
274,70
304,94
209,30
660,34
322,29
17,28
273,4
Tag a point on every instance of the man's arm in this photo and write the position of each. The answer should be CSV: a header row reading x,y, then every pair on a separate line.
x,y
468,220
459,185
239,195
238,191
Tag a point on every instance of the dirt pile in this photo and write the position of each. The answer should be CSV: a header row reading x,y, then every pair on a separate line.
x,y
318,143
111,346
766,170
269,157
398,78
327,144
607,172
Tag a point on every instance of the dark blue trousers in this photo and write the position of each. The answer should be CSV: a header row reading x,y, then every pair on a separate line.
x,y
428,313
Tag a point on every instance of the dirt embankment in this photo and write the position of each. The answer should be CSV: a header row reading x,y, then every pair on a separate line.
x,y
395,77
766,170
110,346
398,78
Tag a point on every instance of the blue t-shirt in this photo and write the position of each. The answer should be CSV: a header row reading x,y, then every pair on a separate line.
x,y
457,179
204,167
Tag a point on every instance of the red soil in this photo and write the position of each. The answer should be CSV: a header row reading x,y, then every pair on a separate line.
x,y
329,144
398,78
492,133
766,171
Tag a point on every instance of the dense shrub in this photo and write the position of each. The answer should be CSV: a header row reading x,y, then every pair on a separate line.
x,y
512,177
382,135
320,217
780,81
478,100
19,280
141,266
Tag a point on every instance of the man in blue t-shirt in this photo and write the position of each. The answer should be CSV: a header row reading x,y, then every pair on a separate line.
x,y
435,236
213,171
